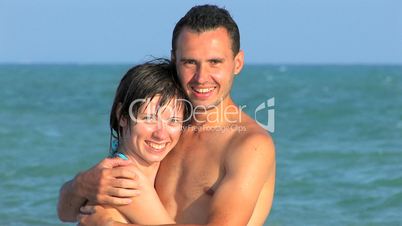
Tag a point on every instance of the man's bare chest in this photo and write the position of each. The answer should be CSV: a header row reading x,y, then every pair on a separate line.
x,y
190,174
192,171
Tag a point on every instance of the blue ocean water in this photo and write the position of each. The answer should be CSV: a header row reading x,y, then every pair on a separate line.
x,y
338,133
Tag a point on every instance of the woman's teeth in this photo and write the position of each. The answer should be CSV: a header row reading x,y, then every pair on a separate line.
x,y
157,146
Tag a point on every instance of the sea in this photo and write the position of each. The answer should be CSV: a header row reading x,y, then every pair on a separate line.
x,y
337,131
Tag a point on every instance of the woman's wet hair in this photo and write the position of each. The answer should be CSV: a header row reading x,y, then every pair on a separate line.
x,y
145,81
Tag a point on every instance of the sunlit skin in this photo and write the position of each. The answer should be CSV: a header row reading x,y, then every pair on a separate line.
x,y
209,171
206,65
210,178
154,132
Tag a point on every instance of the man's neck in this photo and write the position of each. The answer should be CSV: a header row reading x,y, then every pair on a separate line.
x,y
223,114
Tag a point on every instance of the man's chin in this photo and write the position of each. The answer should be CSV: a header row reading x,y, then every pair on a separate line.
x,y
204,105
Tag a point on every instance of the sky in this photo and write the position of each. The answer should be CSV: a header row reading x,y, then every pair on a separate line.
x,y
130,31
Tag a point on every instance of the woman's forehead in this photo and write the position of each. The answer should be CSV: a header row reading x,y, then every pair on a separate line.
x,y
153,105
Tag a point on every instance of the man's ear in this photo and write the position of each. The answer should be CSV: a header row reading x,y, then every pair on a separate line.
x,y
239,62
123,120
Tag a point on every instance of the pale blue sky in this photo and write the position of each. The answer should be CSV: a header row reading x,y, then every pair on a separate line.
x,y
272,31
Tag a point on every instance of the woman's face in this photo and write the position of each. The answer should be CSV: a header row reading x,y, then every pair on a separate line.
x,y
154,132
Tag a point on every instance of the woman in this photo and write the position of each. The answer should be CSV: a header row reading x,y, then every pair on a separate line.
x,y
146,122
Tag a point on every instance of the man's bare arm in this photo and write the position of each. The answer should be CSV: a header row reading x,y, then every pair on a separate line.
x,y
69,202
250,171
143,209
105,183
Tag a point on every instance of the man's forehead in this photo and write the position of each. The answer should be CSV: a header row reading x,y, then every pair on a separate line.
x,y
211,39
188,29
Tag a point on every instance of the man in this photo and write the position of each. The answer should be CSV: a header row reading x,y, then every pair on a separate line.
x,y
222,171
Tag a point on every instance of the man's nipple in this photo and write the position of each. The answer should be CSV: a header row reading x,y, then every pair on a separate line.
x,y
209,191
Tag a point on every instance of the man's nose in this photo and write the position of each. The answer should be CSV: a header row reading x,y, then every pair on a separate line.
x,y
201,75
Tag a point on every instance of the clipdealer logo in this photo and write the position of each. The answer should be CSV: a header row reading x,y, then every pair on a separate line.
x,y
267,105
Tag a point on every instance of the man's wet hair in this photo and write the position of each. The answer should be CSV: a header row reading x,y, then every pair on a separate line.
x,y
157,77
205,18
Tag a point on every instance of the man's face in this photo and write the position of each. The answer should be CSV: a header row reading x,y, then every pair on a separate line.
x,y
206,65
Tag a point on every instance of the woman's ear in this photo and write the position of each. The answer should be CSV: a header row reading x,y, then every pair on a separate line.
x,y
122,120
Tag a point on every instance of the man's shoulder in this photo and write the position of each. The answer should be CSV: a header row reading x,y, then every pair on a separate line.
x,y
251,137
252,150
250,132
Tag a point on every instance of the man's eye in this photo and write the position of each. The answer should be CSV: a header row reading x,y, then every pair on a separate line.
x,y
189,62
215,61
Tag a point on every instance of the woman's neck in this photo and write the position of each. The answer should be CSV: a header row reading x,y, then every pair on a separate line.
x,y
148,169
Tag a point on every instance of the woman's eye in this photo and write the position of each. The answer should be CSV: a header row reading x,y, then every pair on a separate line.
x,y
175,121
149,118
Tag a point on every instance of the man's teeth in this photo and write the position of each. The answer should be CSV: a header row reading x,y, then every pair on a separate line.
x,y
205,90
157,146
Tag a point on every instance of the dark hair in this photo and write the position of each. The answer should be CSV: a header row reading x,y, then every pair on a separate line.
x,y
156,77
208,17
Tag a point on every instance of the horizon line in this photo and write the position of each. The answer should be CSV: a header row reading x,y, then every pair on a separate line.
x,y
251,64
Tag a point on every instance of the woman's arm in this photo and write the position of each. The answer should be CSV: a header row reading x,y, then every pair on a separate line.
x,y
145,208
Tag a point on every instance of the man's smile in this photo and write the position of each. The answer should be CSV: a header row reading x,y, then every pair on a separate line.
x,y
203,92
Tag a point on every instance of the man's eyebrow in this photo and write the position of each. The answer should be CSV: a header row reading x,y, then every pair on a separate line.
x,y
220,59
186,59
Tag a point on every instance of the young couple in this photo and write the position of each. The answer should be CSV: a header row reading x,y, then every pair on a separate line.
x,y
190,176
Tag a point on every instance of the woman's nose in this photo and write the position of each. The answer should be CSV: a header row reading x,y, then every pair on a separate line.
x,y
160,131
